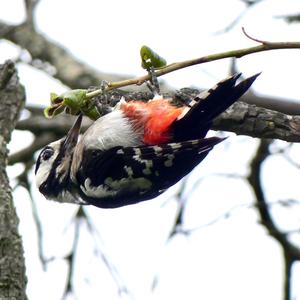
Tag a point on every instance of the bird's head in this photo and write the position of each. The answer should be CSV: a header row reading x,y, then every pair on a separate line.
x,y
53,165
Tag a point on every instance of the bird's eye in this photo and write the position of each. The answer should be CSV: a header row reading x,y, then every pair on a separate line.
x,y
47,153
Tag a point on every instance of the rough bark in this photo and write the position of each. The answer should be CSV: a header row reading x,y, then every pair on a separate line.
x,y
12,265
241,118
245,119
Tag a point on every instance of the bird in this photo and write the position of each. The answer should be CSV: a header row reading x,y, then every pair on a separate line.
x,y
135,152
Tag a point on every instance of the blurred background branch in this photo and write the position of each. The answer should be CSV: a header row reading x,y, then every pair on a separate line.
x,y
291,253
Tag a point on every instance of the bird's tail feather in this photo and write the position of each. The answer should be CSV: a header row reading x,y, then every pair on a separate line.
x,y
208,105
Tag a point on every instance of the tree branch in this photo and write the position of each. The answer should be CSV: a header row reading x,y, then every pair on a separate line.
x,y
12,266
241,118
237,53
291,252
245,119
70,71
30,6
75,74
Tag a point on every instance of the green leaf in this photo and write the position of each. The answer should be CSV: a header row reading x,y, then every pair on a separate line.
x,y
52,111
75,99
92,113
55,99
151,58
73,102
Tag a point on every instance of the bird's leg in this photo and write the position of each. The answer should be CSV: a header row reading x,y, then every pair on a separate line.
x,y
101,102
153,84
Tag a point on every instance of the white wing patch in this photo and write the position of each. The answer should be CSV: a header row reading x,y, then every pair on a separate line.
x,y
148,163
128,170
67,197
111,187
100,191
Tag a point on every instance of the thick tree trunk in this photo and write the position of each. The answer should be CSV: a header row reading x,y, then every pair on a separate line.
x,y
12,265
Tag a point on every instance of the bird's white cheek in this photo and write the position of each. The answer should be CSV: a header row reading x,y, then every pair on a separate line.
x,y
42,174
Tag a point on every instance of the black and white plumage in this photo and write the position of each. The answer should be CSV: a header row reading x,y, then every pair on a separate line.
x,y
135,152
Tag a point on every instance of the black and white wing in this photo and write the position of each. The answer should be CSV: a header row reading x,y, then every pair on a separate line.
x,y
126,175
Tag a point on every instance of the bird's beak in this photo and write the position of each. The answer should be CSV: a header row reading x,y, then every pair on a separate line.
x,y
72,136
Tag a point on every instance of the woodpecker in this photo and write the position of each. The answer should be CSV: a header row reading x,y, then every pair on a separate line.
x,y
136,151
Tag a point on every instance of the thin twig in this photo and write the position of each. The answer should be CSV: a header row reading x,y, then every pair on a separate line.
x,y
232,24
122,288
237,53
23,180
30,6
253,38
71,257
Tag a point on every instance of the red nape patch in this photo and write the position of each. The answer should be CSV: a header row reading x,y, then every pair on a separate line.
x,y
155,117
